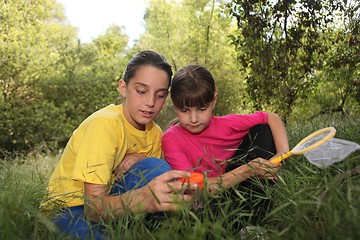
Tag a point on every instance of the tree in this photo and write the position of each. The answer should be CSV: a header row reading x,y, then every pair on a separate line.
x,y
343,57
279,47
31,33
338,81
50,81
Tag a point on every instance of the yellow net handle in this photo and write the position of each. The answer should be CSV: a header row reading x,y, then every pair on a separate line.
x,y
295,150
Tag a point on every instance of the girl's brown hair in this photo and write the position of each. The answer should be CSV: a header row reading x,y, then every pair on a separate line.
x,y
192,86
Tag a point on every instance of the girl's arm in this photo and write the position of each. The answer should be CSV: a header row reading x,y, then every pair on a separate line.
x,y
257,167
160,194
278,131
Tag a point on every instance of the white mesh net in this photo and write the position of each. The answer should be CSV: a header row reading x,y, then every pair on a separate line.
x,y
311,141
332,151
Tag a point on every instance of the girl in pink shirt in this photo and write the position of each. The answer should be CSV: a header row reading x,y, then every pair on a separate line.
x,y
230,149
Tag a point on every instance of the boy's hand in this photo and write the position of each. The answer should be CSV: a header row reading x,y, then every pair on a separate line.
x,y
129,160
163,193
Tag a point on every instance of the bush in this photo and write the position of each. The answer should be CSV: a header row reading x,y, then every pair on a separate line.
x,y
48,112
28,124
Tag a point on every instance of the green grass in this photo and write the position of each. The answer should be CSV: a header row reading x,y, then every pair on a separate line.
x,y
309,202
22,182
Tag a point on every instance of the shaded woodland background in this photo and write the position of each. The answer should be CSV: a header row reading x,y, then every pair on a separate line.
x,y
300,59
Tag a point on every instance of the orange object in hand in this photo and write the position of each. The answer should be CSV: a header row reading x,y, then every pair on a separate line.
x,y
197,178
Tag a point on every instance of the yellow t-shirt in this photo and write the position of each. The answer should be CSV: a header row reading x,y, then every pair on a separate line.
x,y
95,149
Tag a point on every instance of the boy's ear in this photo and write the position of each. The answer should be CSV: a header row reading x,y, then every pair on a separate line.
x,y
122,87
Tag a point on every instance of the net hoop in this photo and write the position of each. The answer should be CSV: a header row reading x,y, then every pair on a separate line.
x,y
331,134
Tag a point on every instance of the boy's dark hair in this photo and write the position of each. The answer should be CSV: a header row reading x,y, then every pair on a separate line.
x,y
147,58
192,86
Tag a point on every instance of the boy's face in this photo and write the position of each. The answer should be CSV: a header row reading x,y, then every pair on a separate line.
x,y
144,95
195,119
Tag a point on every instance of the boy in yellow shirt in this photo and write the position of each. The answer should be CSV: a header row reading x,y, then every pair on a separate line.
x,y
118,141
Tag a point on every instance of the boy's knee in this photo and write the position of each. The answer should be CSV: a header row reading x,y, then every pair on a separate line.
x,y
153,163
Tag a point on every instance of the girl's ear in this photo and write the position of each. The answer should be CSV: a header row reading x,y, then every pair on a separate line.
x,y
122,87
215,98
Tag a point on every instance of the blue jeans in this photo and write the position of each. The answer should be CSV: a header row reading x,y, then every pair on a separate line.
x,y
71,221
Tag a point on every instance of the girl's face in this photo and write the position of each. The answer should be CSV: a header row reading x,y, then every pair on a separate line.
x,y
195,119
144,95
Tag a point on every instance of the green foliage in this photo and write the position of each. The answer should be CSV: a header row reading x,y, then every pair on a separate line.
x,y
23,182
335,93
343,63
29,36
338,87
323,200
279,45
49,81
77,99
308,202
27,125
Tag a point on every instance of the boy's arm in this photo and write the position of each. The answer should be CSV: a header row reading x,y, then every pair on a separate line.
x,y
128,161
160,194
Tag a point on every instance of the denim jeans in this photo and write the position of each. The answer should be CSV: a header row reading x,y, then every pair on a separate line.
x,y
71,221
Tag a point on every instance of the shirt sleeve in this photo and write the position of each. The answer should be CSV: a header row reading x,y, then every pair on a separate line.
x,y
96,154
175,154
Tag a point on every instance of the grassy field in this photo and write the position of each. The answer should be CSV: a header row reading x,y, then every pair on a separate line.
x,y
308,202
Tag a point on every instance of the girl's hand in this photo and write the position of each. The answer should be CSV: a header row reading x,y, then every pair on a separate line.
x,y
163,193
264,168
129,160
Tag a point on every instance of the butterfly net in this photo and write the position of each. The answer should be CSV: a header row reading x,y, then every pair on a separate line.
x,y
329,152
318,138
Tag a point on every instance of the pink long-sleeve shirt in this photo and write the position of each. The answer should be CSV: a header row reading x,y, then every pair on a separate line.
x,y
209,150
